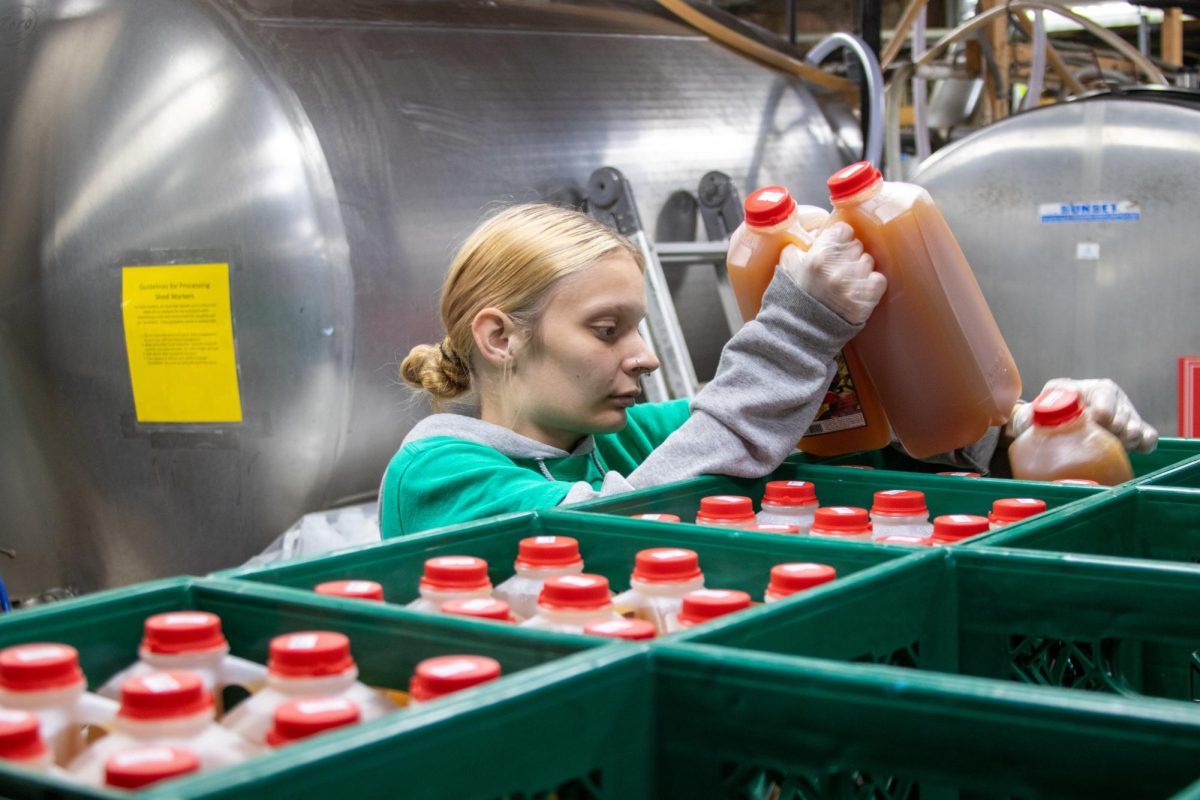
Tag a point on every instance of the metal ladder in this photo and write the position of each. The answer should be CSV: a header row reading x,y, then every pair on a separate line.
x,y
609,199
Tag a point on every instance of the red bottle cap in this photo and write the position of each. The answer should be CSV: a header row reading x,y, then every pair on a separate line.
x,y
666,565
298,719
309,654
183,632
1015,509
479,608
658,517
36,667
164,695
849,181
1056,407
961,474
541,552
352,590
436,677
456,573
956,527
788,579
575,592
705,604
776,528
899,503
632,629
725,508
20,736
790,493
1076,482
905,539
142,766
841,521
768,206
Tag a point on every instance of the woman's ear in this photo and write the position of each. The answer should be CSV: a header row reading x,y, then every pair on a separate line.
x,y
497,337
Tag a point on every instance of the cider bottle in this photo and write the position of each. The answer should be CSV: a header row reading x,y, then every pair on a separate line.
x,y
931,347
851,417
1063,442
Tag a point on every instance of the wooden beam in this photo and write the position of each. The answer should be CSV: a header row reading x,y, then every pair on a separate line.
x,y
1172,36
900,36
1053,58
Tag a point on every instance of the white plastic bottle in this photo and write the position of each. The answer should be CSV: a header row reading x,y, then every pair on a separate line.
x,y
46,679
789,503
193,641
842,523
171,708
305,664
900,512
633,630
569,602
149,764
954,528
661,577
905,540
538,558
1008,510
443,675
21,742
451,578
351,590
703,605
308,716
791,530
788,579
726,511
480,608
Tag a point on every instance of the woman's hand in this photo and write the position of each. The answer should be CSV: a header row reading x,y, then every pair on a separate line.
x,y
1109,407
837,272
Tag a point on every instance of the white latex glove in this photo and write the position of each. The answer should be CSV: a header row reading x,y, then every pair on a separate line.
x,y
1109,407
837,272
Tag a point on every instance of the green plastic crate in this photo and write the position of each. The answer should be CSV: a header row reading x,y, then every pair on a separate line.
x,y
730,559
1185,475
1169,453
1136,522
387,642
841,486
1046,620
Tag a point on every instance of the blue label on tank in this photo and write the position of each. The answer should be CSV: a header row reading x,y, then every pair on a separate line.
x,y
1110,211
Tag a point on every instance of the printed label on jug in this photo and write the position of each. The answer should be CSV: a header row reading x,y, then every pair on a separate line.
x,y
841,409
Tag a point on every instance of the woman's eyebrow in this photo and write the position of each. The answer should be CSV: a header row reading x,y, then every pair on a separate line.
x,y
616,309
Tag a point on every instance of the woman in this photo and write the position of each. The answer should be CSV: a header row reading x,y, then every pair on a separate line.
x,y
541,307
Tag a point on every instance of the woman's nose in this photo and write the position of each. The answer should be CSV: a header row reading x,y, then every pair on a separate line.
x,y
643,361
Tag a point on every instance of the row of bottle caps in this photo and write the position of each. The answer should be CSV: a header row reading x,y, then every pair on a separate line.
x,y
164,720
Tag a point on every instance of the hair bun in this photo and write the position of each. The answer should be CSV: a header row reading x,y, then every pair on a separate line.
x,y
437,370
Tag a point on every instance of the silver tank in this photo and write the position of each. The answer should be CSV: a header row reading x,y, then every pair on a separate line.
x,y
333,153
1109,285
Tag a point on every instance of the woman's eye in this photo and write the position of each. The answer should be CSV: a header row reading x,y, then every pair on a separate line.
x,y
605,331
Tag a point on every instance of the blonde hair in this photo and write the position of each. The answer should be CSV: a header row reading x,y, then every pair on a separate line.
x,y
511,262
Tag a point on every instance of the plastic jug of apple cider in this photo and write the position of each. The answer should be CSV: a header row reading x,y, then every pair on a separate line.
x,y
931,347
148,764
442,675
703,605
851,417
538,558
1063,442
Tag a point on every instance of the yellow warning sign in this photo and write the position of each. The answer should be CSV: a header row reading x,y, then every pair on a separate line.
x,y
179,338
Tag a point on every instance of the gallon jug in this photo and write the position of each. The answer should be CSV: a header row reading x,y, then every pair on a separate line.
x,y
788,579
633,630
932,348
538,558
1008,510
193,641
148,764
351,590
954,528
703,605
305,664
451,578
21,742
1063,442
842,523
479,608
164,708
850,417
726,511
45,679
438,677
308,716
661,577
568,603
789,503
900,512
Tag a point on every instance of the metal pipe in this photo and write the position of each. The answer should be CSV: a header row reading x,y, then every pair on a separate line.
x,y
873,140
1037,67
675,253
919,87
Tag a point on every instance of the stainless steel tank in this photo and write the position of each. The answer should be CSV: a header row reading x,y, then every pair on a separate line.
x,y
1080,222
332,153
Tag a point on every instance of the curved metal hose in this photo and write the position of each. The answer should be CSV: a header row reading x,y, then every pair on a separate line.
x,y
873,140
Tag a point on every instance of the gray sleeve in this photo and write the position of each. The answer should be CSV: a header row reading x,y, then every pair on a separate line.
x,y
768,388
